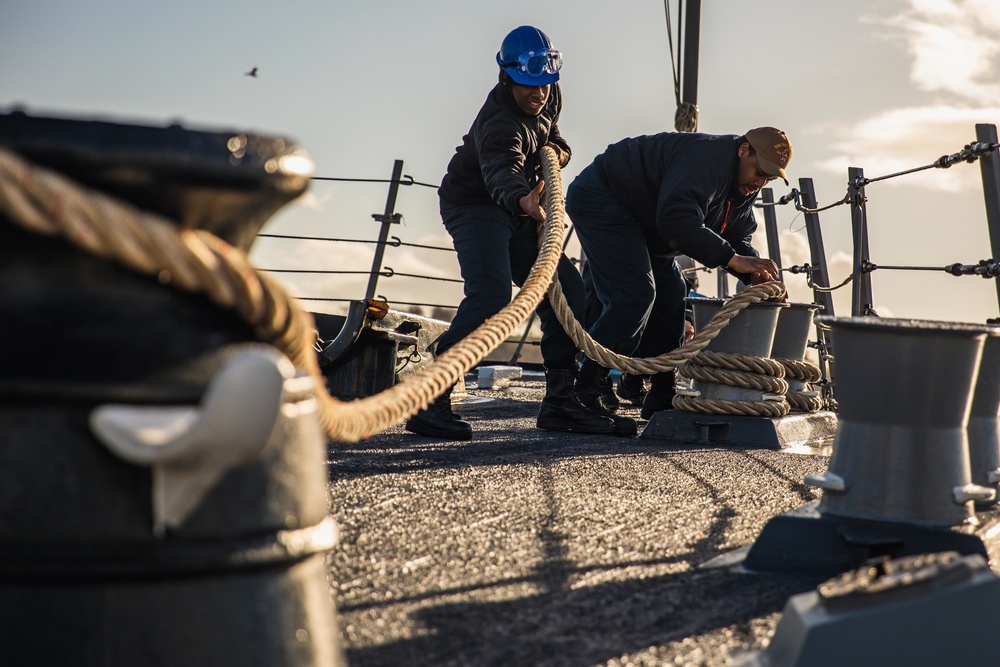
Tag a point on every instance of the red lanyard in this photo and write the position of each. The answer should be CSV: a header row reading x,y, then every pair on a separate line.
x,y
725,219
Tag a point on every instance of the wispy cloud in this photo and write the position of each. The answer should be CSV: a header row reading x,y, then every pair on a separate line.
x,y
954,46
316,201
954,49
898,139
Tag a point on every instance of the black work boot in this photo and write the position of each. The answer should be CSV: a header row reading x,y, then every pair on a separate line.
x,y
608,396
632,388
561,410
438,421
589,384
660,395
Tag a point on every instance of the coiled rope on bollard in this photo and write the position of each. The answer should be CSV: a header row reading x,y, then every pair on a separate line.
x,y
749,372
714,406
739,370
809,374
772,290
752,372
727,369
736,370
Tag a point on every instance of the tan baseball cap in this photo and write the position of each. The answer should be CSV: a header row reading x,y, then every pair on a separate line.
x,y
774,150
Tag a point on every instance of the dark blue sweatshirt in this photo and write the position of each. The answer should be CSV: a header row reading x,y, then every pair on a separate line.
x,y
498,161
682,188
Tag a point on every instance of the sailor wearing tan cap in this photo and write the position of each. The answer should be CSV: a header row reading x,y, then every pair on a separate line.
x,y
644,201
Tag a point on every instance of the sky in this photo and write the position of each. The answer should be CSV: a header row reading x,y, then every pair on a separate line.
x,y
884,85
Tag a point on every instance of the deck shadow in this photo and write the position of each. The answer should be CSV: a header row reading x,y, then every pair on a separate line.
x,y
591,625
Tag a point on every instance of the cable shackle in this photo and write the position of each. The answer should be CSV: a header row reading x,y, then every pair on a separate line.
x,y
987,268
970,153
810,270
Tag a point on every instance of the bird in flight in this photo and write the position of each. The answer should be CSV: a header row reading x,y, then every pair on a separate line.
x,y
252,73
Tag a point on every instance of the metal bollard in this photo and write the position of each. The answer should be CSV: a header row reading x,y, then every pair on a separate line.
x,y
750,333
791,334
983,428
899,481
163,487
930,609
901,451
791,338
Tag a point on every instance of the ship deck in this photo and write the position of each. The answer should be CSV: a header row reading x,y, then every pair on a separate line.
x,y
527,547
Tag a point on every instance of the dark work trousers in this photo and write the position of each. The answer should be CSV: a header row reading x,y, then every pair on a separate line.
x,y
642,296
594,305
651,343
494,249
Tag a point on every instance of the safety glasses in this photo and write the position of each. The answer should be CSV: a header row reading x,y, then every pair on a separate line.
x,y
536,63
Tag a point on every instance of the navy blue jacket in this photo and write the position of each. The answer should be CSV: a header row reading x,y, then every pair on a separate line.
x,y
682,188
498,161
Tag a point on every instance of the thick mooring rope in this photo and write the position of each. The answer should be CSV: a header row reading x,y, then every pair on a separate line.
x,y
801,370
699,369
749,372
48,203
736,370
754,294
714,406
808,374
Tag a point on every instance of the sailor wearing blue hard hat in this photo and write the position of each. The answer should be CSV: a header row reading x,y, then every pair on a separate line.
x,y
490,206
528,61
527,56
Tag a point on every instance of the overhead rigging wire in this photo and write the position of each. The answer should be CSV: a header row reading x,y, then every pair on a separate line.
x,y
670,41
686,115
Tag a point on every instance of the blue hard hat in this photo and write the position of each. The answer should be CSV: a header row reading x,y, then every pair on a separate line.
x,y
526,54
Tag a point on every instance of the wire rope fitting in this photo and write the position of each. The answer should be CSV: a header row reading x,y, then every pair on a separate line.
x,y
987,268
